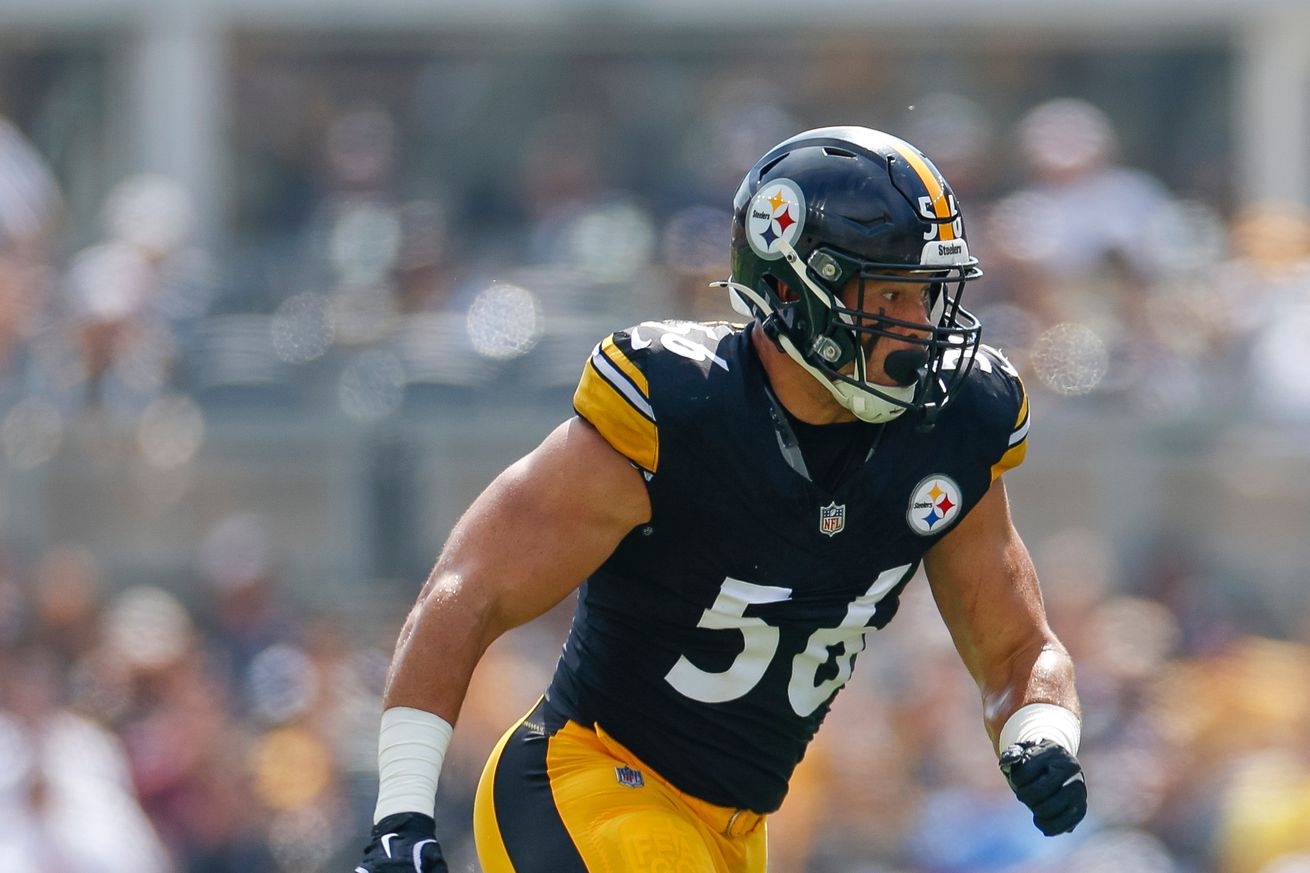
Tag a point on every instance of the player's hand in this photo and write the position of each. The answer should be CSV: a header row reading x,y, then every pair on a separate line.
x,y
1048,779
403,843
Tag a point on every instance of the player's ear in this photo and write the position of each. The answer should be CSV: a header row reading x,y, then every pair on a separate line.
x,y
785,294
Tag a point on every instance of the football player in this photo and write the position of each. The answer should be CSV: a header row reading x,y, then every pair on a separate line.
x,y
741,506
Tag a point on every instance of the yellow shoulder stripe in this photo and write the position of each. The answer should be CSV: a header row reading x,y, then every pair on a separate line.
x,y
1011,459
1018,450
620,360
631,432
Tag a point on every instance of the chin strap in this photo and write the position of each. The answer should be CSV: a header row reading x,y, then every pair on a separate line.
x,y
851,398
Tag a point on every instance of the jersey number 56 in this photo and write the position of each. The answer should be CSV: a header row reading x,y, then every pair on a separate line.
x,y
804,691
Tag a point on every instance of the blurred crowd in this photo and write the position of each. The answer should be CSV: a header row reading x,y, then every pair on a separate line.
x,y
147,730
218,720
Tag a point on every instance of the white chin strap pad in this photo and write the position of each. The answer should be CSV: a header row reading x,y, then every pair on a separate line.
x,y
867,407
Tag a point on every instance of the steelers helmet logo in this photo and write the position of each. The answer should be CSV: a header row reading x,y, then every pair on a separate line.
x,y
935,505
777,212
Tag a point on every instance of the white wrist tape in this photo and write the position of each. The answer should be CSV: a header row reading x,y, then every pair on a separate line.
x,y
411,746
1042,721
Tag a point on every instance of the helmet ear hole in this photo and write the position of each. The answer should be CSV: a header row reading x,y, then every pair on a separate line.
x,y
781,288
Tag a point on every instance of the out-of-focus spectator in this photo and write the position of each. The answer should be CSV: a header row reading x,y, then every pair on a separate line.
x,y
1264,292
67,598
30,204
29,195
1071,245
1251,798
1098,268
186,751
67,801
1082,212
243,611
134,299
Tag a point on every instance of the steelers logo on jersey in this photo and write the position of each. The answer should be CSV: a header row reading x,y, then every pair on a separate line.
x,y
934,505
777,212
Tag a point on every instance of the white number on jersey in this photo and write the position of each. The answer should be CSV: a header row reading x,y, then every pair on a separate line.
x,y
984,358
728,613
676,336
805,693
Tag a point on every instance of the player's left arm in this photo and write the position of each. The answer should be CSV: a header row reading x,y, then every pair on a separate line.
x,y
986,589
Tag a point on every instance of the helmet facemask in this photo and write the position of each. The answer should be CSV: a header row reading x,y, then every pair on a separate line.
x,y
836,210
834,340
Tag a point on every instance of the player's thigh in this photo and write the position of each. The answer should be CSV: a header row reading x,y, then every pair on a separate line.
x,y
648,840
516,825
559,804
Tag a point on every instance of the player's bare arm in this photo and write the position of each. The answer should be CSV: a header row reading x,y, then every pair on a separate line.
x,y
987,592
528,541
532,537
986,589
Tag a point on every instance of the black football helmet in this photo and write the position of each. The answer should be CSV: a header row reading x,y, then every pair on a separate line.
x,y
838,203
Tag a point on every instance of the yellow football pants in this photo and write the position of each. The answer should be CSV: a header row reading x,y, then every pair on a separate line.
x,y
573,800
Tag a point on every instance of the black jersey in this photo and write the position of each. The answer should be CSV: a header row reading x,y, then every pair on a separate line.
x,y
712,641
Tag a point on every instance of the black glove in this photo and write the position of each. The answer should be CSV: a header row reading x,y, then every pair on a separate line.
x,y
1047,779
403,843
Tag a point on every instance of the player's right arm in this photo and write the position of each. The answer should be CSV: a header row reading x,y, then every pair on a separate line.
x,y
528,540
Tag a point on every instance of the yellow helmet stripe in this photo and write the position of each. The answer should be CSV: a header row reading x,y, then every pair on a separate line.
x,y
935,191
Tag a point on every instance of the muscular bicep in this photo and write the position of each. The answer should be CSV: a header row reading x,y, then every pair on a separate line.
x,y
984,583
531,538
543,526
986,589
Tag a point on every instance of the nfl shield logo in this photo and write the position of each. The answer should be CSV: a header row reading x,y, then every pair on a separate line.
x,y
832,519
629,777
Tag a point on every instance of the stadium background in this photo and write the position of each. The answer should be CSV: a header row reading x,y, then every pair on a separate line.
x,y
284,284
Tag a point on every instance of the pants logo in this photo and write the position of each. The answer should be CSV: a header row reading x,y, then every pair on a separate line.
x,y
629,777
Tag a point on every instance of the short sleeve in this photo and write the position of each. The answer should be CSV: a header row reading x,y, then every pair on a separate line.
x,y
1017,446
614,396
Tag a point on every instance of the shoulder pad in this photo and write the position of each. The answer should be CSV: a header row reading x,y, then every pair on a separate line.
x,y
614,396
635,373
1012,403
695,341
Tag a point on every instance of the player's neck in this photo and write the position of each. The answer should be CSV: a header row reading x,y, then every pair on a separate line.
x,y
798,391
